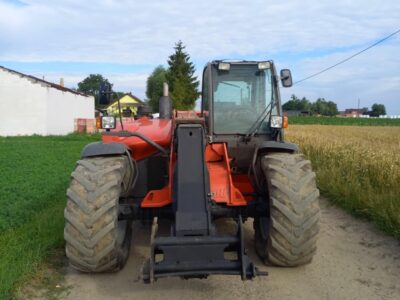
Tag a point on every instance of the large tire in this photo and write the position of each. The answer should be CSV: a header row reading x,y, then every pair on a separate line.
x,y
95,240
288,237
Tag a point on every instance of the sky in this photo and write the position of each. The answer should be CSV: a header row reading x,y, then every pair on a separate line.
x,y
125,40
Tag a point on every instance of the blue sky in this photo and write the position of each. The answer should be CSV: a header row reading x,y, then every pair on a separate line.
x,y
124,40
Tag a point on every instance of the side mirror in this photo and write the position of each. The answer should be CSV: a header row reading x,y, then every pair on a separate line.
x,y
286,78
105,93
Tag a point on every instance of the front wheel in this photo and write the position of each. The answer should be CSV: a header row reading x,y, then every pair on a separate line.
x,y
96,241
288,237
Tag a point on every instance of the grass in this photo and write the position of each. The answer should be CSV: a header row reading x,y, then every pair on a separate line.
x,y
312,120
356,167
34,176
48,281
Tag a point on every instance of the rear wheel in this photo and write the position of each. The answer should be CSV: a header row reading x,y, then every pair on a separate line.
x,y
288,238
96,241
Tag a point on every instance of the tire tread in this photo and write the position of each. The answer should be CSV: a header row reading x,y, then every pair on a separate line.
x,y
91,214
294,210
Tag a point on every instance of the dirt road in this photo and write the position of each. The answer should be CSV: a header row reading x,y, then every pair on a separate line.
x,y
354,261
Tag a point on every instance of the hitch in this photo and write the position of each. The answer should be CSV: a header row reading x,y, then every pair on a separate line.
x,y
198,256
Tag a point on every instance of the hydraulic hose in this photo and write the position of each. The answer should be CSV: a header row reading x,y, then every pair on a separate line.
x,y
138,135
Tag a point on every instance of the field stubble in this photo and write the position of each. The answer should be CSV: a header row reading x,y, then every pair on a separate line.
x,y
357,167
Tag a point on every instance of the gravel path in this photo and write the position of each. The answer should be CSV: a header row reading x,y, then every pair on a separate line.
x,y
354,261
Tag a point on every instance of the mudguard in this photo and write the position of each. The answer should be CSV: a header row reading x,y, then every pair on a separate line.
x,y
101,149
278,147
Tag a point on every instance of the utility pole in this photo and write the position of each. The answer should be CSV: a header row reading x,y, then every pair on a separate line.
x,y
358,108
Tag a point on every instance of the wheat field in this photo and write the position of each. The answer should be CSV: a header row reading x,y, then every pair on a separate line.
x,y
357,167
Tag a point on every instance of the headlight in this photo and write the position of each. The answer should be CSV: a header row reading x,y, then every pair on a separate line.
x,y
276,121
108,122
223,66
264,65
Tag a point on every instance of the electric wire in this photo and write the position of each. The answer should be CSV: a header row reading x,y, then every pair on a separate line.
x,y
348,58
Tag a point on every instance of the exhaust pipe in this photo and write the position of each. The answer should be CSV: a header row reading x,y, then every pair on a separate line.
x,y
165,104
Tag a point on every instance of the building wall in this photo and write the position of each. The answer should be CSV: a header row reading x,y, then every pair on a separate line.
x,y
29,107
22,106
63,108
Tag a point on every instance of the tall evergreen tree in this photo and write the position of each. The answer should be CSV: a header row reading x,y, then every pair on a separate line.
x,y
182,82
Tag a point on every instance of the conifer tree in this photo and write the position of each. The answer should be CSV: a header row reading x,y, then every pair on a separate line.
x,y
183,84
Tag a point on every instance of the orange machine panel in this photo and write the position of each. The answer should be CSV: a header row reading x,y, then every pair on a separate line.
x,y
221,185
163,197
224,187
157,198
243,183
158,130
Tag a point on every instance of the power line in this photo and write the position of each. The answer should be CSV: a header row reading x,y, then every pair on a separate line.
x,y
350,57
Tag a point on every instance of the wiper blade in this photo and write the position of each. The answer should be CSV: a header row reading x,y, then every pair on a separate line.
x,y
256,125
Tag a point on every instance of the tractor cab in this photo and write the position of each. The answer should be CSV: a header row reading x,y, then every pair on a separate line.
x,y
242,107
242,98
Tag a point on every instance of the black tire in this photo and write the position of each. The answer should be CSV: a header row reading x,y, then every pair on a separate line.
x,y
288,237
95,240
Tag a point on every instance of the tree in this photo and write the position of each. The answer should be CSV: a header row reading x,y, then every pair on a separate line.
x,y
296,104
91,85
332,109
181,80
377,110
154,86
320,106
305,104
325,108
292,104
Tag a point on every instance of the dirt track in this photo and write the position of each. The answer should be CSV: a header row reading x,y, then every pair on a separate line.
x,y
354,261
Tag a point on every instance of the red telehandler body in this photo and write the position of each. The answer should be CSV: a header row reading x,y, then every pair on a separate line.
x,y
228,161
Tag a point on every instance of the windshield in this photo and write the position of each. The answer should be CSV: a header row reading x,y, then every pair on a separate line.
x,y
241,95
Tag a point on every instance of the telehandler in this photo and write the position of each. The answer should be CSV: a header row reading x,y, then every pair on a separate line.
x,y
229,160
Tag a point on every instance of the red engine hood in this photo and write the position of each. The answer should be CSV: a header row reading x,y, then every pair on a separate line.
x,y
158,130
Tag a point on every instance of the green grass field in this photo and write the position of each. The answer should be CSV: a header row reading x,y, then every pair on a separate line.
x,y
34,176
311,120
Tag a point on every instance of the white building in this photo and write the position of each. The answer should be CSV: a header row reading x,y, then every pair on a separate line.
x,y
30,105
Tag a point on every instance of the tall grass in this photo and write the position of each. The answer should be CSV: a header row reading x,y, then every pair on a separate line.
x,y
357,167
34,174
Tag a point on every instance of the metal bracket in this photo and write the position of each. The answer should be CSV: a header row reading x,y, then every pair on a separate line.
x,y
198,256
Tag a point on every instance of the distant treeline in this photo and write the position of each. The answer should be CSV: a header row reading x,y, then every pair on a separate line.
x,y
325,107
320,106
343,121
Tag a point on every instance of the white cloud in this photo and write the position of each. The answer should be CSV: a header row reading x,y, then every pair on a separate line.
x,y
143,32
371,77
